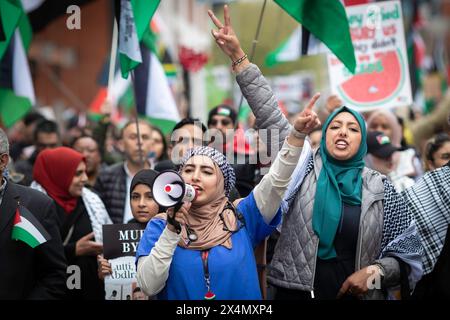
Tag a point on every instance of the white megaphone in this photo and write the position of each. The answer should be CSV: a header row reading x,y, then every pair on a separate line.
x,y
170,190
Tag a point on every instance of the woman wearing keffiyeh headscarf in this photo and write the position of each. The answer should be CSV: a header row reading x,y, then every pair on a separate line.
x,y
220,263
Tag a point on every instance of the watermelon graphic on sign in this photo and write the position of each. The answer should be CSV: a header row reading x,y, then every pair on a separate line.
x,y
381,78
379,86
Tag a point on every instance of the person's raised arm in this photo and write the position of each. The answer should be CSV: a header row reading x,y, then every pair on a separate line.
x,y
270,191
228,41
254,86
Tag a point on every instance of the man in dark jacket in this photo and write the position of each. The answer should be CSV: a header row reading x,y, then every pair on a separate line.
x,y
33,265
113,183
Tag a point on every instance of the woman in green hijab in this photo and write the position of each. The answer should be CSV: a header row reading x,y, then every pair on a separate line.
x,y
353,233
346,232
340,179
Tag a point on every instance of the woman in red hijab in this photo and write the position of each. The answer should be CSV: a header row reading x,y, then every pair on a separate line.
x,y
61,174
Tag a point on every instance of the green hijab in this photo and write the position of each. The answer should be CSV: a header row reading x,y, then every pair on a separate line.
x,y
339,181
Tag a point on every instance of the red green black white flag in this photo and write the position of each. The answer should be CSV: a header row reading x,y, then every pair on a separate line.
x,y
28,229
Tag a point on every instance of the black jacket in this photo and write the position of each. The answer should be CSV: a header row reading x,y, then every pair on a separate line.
x,y
74,226
111,186
27,273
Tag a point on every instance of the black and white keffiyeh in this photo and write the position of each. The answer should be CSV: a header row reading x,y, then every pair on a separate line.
x,y
408,248
303,168
429,203
94,207
221,161
400,236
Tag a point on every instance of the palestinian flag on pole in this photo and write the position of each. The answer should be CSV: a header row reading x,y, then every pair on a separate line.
x,y
135,17
153,96
154,99
327,21
120,88
28,229
16,86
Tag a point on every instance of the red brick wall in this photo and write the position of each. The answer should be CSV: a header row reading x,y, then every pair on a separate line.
x,y
91,44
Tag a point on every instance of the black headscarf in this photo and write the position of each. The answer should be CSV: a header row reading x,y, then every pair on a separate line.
x,y
145,176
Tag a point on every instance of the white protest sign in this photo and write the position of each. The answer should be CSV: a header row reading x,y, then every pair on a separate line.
x,y
381,78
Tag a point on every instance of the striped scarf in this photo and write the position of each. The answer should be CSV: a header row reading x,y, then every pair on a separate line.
x,y
94,207
429,201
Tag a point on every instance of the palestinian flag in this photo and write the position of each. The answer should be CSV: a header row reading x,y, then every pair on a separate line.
x,y
135,17
291,48
154,99
327,21
2,32
16,85
119,97
28,229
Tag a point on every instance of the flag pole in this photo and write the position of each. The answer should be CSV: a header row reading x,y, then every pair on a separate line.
x,y
112,68
139,101
304,41
112,60
252,51
141,155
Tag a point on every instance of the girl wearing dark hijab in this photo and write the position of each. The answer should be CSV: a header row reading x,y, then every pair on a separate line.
x,y
143,208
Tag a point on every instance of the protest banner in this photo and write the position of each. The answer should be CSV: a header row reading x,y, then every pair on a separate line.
x,y
381,79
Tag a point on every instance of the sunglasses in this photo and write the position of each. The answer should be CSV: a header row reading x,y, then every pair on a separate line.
x,y
225,122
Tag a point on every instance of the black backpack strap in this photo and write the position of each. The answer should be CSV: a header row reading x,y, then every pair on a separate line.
x,y
238,214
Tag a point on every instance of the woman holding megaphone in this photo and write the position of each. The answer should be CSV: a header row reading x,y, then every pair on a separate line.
x,y
219,261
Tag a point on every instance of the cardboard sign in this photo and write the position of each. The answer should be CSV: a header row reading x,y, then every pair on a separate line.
x,y
120,242
381,79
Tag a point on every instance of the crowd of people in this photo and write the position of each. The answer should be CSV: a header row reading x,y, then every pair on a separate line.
x,y
346,209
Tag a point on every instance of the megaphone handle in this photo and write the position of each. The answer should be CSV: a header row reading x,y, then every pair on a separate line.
x,y
172,220
177,207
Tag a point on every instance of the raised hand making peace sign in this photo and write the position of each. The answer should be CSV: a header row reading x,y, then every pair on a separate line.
x,y
227,40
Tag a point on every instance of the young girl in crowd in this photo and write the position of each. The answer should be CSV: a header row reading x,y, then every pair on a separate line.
x,y
143,208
